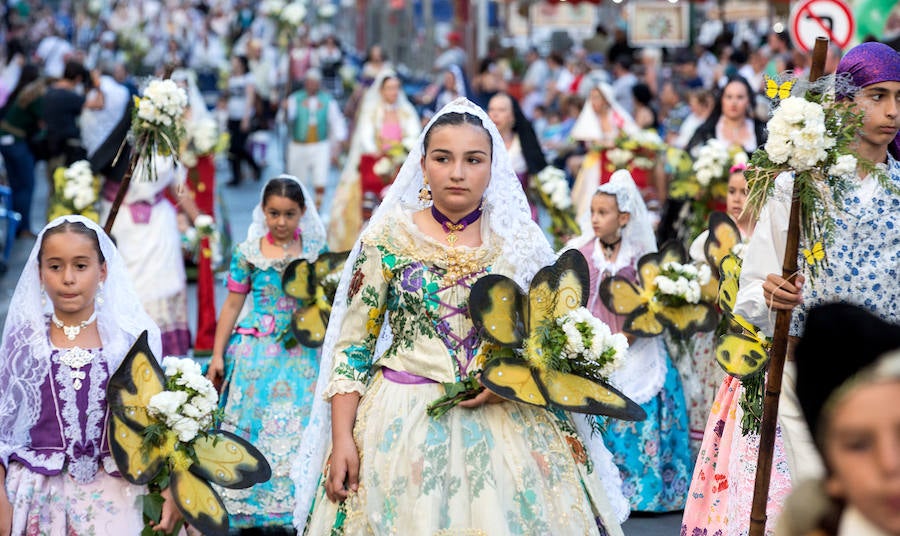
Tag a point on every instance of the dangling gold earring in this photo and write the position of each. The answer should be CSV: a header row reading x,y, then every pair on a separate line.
x,y
425,193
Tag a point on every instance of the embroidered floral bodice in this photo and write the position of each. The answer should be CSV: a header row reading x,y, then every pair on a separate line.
x,y
422,287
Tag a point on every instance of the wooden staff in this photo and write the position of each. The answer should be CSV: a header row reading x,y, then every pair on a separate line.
x,y
779,343
120,193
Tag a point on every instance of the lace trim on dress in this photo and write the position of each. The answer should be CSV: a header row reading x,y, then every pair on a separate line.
x,y
82,446
251,251
340,386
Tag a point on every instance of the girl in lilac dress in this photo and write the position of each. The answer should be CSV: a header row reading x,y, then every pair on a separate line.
x,y
72,319
653,456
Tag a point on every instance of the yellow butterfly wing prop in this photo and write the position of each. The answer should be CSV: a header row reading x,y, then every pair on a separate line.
x,y
229,461
505,316
498,309
730,270
740,351
724,235
221,457
131,387
201,506
125,444
559,288
305,281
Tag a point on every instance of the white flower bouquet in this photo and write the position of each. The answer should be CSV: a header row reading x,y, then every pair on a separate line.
x,y
554,193
293,14
812,138
75,191
189,405
679,284
158,123
638,150
202,139
589,348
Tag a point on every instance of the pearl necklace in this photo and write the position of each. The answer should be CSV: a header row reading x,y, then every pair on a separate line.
x,y
72,331
75,358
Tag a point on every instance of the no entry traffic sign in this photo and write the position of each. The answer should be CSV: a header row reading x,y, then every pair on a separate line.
x,y
821,18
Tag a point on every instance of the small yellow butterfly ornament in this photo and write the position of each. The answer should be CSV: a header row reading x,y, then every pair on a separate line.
x,y
781,91
815,255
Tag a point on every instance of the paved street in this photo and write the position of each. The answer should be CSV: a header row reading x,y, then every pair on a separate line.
x,y
240,202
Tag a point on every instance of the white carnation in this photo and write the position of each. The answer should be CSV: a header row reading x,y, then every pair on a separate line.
x,y
844,166
185,428
166,403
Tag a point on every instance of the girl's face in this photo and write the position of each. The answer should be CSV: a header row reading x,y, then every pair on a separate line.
x,y
500,111
282,217
71,272
598,102
457,165
737,195
449,81
735,101
881,103
390,90
862,450
606,219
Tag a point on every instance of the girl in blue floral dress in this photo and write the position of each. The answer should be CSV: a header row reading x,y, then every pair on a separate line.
x,y
269,379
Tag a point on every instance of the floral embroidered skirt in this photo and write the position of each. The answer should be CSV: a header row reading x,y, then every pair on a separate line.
x,y
701,377
721,493
267,400
57,505
654,455
501,469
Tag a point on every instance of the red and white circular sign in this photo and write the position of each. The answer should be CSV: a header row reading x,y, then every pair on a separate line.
x,y
821,18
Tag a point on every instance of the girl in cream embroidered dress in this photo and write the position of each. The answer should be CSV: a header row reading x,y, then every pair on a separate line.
x,y
454,465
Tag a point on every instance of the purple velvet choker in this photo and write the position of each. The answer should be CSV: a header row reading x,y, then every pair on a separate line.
x,y
452,228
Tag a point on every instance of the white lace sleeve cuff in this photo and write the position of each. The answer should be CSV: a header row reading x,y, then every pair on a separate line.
x,y
340,386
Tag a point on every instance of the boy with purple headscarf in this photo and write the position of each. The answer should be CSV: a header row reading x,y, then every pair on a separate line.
x,y
863,269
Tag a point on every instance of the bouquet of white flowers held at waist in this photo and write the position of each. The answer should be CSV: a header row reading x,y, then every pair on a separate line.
x,y
189,405
588,346
554,193
75,191
192,240
638,150
158,123
679,284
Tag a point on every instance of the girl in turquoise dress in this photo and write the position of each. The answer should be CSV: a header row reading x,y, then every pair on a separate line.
x,y
269,380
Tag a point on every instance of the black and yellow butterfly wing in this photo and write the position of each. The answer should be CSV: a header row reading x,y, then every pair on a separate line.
x,y
302,280
559,288
740,350
688,319
513,379
498,311
198,502
229,461
724,235
125,444
582,395
671,251
729,282
134,383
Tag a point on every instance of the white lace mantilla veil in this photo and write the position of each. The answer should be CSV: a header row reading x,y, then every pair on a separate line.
x,y
524,251
644,372
25,348
311,226
345,215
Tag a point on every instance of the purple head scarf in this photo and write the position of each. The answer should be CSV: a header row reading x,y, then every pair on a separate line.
x,y
873,63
